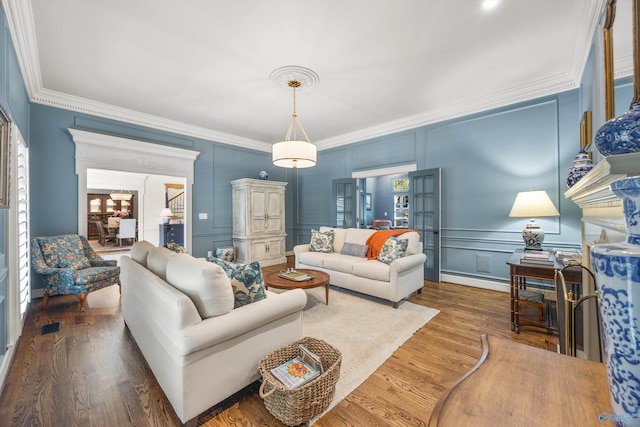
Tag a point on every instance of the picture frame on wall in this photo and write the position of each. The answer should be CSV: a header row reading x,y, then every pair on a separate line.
x,y
367,201
5,127
585,131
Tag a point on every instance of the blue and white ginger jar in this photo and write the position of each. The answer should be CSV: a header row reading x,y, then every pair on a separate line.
x,y
617,269
582,164
263,176
620,135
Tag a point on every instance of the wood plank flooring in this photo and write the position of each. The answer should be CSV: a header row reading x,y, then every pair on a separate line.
x,y
91,373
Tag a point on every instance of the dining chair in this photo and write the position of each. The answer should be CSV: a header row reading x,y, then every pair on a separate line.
x,y
105,235
127,230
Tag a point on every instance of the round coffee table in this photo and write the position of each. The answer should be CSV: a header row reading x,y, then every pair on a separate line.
x,y
320,278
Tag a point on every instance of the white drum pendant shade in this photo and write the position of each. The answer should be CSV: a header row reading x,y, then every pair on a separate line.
x,y
294,154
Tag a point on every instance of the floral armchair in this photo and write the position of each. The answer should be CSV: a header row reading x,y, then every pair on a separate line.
x,y
70,267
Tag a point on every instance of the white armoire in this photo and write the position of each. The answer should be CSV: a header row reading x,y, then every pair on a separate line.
x,y
258,221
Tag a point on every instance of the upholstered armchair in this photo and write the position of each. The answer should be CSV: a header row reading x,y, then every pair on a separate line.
x,y
70,267
382,224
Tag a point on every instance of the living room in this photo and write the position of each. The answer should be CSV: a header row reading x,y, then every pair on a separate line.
x,y
486,157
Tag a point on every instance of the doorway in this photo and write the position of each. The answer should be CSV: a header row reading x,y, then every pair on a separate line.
x,y
114,154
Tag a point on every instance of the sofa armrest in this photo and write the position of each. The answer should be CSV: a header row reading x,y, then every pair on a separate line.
x,y
241,320
299,249
408,262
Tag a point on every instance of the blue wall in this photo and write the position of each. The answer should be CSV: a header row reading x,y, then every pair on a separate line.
x,y
486,159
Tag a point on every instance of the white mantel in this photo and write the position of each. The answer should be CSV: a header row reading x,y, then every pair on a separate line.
x,y
602,220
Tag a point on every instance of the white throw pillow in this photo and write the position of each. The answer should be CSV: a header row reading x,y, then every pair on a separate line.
x,y
205,283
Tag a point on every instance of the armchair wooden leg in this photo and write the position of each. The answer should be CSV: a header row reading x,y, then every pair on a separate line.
x,y
45,301
83,298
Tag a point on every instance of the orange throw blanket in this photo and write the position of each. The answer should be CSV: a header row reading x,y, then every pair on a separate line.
x,y
377,239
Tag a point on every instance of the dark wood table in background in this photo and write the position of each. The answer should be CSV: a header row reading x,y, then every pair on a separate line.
x,y
320,278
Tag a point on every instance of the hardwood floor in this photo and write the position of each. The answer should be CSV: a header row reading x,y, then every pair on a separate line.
x,y
91,373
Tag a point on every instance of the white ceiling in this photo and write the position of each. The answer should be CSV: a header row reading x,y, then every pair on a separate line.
x,y
202,67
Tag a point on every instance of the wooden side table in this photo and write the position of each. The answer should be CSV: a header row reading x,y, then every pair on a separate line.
x,y
516,384
519,273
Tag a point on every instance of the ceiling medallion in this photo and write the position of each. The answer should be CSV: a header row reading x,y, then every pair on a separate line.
x,y
307,77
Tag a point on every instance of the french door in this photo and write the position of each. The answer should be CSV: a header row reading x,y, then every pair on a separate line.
x,y
424,216
345,206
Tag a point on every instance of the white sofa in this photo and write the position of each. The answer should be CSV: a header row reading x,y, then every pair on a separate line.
x,y
393,282
199,361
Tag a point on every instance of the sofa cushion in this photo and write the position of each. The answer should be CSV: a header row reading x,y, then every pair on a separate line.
x,y
204,282
343,263
339,234
321,241
75,263
372,269
358,235
392,249
354,249
140,250
63,251
157,260
246,280
313,259
414,246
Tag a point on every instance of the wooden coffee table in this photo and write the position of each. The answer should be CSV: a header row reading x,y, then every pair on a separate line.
x,y
320,278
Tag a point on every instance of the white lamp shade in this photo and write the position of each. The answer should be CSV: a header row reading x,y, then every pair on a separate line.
x,y
166,212
533,204
294,154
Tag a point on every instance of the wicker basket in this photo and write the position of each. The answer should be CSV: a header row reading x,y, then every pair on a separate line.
x,y
296,406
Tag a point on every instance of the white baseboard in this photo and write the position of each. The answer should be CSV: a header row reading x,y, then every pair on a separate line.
x,y
476,283
6,364
37,293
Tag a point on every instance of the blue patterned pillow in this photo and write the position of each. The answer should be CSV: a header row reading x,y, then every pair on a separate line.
x,y
392,249
246,281
321,241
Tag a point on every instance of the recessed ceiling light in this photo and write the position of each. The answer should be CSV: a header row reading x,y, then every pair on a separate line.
x,y
490,4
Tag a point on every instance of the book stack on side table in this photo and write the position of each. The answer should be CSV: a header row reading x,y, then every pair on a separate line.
x,y
536,258
299,370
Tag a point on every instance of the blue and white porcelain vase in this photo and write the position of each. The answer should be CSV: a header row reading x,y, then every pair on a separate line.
x,y
263,176
582,164
617,269
620,135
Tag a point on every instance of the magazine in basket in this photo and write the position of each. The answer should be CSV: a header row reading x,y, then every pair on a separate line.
x,y
299,370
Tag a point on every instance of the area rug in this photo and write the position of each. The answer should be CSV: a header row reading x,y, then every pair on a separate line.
x,y
365,329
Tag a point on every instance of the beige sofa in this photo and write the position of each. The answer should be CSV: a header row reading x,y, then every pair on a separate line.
x,y
200,360
393,282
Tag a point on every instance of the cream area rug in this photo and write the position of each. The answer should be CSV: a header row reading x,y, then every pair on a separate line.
x,y
366,330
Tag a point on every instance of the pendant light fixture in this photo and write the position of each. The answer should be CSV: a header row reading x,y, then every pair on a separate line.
x,y
120,195
292,152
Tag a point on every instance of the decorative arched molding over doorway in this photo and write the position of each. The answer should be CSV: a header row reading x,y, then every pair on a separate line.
x,y
99,151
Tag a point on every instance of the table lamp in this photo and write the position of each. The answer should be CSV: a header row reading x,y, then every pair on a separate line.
x,y
532,204
166,215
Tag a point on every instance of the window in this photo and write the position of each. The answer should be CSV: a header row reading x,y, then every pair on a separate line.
x,y
22,205
401,202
